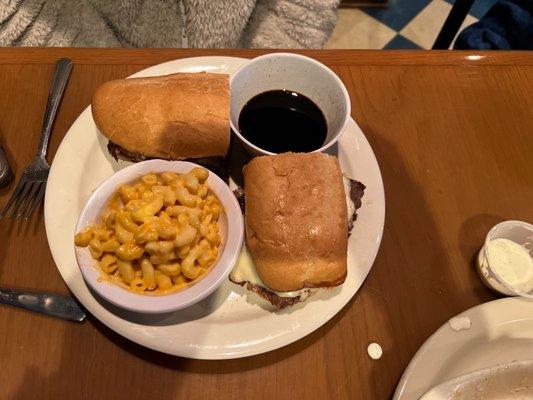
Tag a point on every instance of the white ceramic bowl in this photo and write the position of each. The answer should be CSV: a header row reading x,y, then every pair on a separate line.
x,y
291,72
232,232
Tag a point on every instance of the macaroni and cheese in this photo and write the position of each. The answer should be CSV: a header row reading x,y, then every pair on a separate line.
x,y
157,234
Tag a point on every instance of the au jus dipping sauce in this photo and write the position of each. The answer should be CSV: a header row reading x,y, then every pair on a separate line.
x,y
282,120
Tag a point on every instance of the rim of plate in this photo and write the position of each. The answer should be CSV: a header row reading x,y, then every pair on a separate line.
x,y
496,310
132,330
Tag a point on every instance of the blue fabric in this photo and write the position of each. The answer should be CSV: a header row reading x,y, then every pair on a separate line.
x,y
479,8
507,25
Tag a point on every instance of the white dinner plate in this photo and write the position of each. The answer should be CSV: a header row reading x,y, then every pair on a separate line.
x,y
230,323
501,332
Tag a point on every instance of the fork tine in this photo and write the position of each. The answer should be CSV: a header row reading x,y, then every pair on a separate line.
x,y
13,199
22,198
32,193
36,201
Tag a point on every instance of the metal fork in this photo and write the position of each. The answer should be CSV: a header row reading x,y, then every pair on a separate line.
x,y
31,186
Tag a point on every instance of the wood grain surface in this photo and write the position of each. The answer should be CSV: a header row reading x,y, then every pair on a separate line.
x,y
453,136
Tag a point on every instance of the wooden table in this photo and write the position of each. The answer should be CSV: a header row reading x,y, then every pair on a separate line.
x,y
453,136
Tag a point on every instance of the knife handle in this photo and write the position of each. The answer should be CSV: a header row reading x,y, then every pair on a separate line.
x,y
64,307
5,170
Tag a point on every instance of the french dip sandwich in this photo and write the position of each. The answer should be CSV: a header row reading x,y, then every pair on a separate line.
x,y
298,213
177,116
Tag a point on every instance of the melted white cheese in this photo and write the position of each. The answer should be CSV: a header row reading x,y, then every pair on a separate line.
x,y
244,271
349,203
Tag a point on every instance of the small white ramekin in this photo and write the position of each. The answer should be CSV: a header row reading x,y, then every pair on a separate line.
x,y
517,231
291,72
232,232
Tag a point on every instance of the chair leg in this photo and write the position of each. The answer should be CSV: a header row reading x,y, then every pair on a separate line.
x,y
452,24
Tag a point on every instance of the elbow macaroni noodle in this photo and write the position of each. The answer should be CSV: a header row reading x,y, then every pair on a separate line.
x,y
157,234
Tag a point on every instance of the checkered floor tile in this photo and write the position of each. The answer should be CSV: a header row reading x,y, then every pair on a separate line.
x,y
405,24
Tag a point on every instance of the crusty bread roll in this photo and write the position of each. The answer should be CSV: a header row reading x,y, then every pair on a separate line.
x,y
296,220
174,116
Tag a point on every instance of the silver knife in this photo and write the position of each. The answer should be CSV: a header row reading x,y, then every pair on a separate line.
x,y
55,305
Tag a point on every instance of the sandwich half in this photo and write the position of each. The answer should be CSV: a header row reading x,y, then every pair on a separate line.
x,y
298,211
177,116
